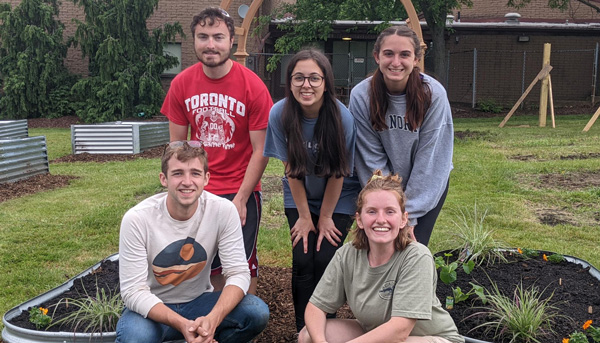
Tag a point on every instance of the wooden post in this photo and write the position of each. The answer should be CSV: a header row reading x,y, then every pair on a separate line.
x,y
592,121
415,25
551,100
543,73
544,90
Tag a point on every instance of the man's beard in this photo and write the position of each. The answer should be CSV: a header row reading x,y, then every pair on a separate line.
x,y
213,64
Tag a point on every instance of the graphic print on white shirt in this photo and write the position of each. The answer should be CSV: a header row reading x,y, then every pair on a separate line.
x,y
179,261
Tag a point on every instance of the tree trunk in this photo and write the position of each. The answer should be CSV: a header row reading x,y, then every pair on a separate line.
x,y
438,52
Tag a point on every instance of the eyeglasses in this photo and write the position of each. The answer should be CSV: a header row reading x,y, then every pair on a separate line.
x,y
224,13
179,144
314,80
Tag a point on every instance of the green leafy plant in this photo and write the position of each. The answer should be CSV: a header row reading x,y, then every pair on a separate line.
x,y
526,317
489,105
447,268
531,253
459,296
39,316
476,241
556,258
97,314
580,337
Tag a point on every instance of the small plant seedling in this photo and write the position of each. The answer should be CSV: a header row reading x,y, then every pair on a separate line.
x,y
556,258
447,269
39,316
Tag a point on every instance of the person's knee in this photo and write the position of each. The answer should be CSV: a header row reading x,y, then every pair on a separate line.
x,y
303,336
133,328
256,312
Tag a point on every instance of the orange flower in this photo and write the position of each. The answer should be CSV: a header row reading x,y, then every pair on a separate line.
x,y
545,257
45,311
565,340
519,250
587,324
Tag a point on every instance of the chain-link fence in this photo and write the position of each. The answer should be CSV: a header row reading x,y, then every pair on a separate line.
x,y
503,76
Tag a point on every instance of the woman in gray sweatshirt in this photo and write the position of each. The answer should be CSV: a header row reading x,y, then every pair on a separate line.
x,y
404,126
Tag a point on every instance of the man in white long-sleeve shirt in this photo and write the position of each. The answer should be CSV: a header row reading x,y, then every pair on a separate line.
x,y
167,244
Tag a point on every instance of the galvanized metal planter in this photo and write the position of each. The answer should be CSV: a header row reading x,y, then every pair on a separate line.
x,y
21,158
10,129
118,137
15,334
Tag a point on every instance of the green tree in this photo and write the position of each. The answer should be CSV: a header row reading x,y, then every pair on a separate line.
x,y
559,4
35,82
313,21
125,59
435,12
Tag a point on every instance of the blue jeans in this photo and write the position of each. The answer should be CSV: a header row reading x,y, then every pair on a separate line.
x,y
248,319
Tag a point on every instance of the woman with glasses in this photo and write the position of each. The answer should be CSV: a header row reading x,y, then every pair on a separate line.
x,y
313,134
404,126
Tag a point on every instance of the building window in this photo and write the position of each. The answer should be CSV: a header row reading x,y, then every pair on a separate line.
x,y
173,49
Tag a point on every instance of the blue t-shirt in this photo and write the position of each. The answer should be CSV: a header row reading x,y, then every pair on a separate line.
x,y
276,146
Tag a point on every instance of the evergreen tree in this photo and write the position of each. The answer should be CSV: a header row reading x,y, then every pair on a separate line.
x,y
125,59
34,80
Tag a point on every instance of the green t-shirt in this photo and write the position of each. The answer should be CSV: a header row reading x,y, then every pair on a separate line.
x,y
403,287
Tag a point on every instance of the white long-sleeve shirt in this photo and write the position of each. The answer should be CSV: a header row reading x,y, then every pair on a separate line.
x,y
166,260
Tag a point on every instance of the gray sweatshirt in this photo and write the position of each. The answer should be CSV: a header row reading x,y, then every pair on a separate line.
x,y
423,157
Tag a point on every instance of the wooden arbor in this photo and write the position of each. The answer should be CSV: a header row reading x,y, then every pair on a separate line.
x,y
242,32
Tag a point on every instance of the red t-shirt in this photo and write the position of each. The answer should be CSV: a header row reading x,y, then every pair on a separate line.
x,y
221,113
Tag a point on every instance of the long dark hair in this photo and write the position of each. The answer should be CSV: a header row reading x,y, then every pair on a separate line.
x,y
418,94
331,159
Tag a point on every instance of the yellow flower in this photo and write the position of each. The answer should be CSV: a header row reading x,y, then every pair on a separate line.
x,y
587,324
565,340
45,311
519,250
545,257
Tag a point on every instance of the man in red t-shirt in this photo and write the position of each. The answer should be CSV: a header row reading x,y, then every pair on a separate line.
x,y
227,107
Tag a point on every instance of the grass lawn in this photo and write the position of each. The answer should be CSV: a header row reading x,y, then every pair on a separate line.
x,y
540,186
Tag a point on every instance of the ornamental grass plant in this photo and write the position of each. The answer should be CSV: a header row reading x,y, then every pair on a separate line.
x,y
97,313
526,317
474,240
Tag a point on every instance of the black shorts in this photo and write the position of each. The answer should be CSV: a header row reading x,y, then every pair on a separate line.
x,y
250,232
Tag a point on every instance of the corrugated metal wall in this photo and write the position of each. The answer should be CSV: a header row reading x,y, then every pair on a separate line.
x,y
118,137
13,129
22,158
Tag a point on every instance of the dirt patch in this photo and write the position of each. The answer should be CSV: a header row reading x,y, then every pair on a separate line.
x,y
554,216
155,152
34,184
463,110
565,157
469,135
571,181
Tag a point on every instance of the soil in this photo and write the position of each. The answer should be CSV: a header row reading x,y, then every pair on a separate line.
x,y
572,290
